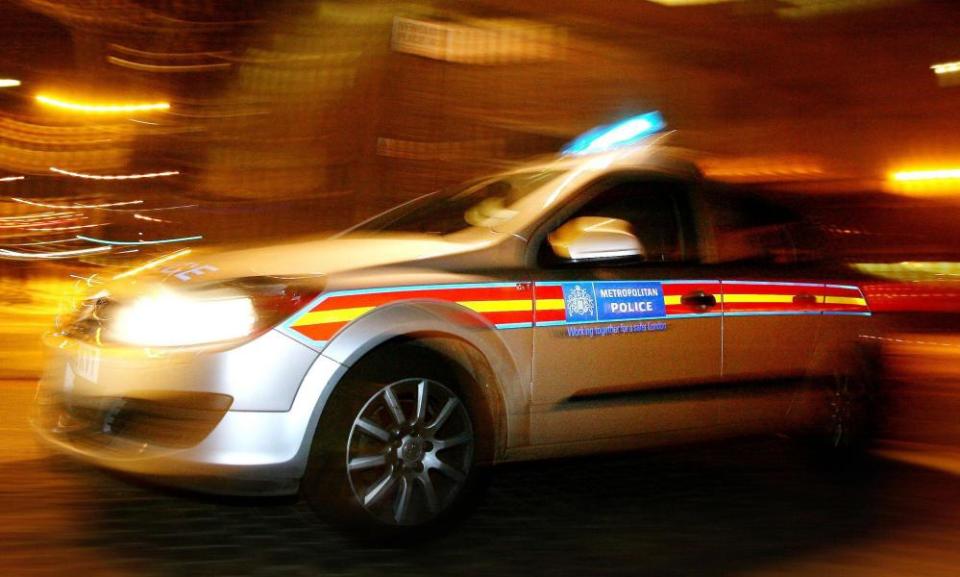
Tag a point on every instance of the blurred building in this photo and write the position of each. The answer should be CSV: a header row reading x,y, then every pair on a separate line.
x,y
292,116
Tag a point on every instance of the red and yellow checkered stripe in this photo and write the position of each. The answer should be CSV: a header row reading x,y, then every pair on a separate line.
x,y
551,308
512,305
791,298
505,305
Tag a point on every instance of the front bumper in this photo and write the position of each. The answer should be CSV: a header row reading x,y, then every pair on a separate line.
x,y
235,421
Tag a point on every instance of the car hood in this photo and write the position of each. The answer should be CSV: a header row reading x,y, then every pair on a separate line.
x,y
304,258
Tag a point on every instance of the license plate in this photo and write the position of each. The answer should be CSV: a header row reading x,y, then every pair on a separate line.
x,y
87,363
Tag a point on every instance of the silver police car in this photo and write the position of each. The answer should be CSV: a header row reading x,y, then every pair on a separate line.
x,y
590,302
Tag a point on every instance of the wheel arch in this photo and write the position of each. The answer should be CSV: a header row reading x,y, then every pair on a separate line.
x,y
450,331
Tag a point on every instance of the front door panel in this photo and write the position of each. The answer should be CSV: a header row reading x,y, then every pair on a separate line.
x,y
597,337
770,332
612,358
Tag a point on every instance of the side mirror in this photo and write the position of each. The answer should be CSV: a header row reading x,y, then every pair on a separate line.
x,y
595,238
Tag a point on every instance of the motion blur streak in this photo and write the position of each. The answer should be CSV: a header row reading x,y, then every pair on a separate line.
x,y
946,68
50,255
243,123
167,67
139,242
49,205
152,264
63,228
763,168
936,182
149,218
114,177
927,175
101,108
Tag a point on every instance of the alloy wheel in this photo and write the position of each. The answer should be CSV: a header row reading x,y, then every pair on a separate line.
x,y
409,451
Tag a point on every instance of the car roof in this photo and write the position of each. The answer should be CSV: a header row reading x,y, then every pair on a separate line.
x,y
641,157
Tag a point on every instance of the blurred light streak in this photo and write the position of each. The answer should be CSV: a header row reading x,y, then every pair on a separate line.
x,y
9,83
101,108
926,175
170,55
821,8
621,134
88,280
167,68
941,182
57,241
760,168
903,297
11,178
113,177
168,207
37,216
47,221
152,264
909,271
65,228
946,67
149,218
46,205
910,341
689,2
54,255
139,242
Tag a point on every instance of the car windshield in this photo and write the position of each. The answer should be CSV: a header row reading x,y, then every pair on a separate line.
x,y
481,203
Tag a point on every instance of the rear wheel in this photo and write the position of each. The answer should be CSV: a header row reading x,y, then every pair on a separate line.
x,y
850,414
847,426
396,447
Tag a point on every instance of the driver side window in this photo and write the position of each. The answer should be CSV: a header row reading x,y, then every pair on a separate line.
x,y
650,210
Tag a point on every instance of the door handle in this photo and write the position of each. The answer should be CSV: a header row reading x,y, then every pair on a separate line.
x,y
699,301
805,299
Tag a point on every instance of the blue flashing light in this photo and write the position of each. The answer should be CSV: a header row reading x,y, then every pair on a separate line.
x,y
619,135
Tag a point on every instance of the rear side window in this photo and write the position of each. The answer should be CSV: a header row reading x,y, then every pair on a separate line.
x,y
749,227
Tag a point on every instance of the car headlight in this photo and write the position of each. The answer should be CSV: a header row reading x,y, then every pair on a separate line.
x,y
169,319
229,312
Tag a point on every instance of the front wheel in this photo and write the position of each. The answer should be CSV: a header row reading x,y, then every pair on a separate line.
x,y
395,455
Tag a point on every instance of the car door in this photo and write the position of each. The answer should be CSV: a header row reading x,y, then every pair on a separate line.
x,y
772,304
620,339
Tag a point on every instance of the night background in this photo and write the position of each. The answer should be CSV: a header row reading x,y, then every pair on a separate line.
x,y
130,129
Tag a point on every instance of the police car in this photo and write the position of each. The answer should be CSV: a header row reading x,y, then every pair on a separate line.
x,y
606,299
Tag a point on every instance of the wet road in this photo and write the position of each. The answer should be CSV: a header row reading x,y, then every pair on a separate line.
x,y
752,508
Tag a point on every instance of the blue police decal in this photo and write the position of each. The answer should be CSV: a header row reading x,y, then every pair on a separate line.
x,y
613,301
617,301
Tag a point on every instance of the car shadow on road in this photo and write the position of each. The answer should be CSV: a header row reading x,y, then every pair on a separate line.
x,y
704,511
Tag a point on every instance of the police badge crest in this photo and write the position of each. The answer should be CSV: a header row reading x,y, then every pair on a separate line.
x,y
579,303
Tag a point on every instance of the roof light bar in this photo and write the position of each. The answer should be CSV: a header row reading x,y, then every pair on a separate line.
x,y
619,135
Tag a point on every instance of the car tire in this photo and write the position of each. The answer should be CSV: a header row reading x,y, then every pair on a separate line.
x,y
850,414
395,452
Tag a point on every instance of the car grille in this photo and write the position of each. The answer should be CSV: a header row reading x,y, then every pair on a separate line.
x,y
122,424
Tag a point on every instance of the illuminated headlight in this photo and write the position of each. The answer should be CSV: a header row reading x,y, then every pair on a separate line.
x,y
169,319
